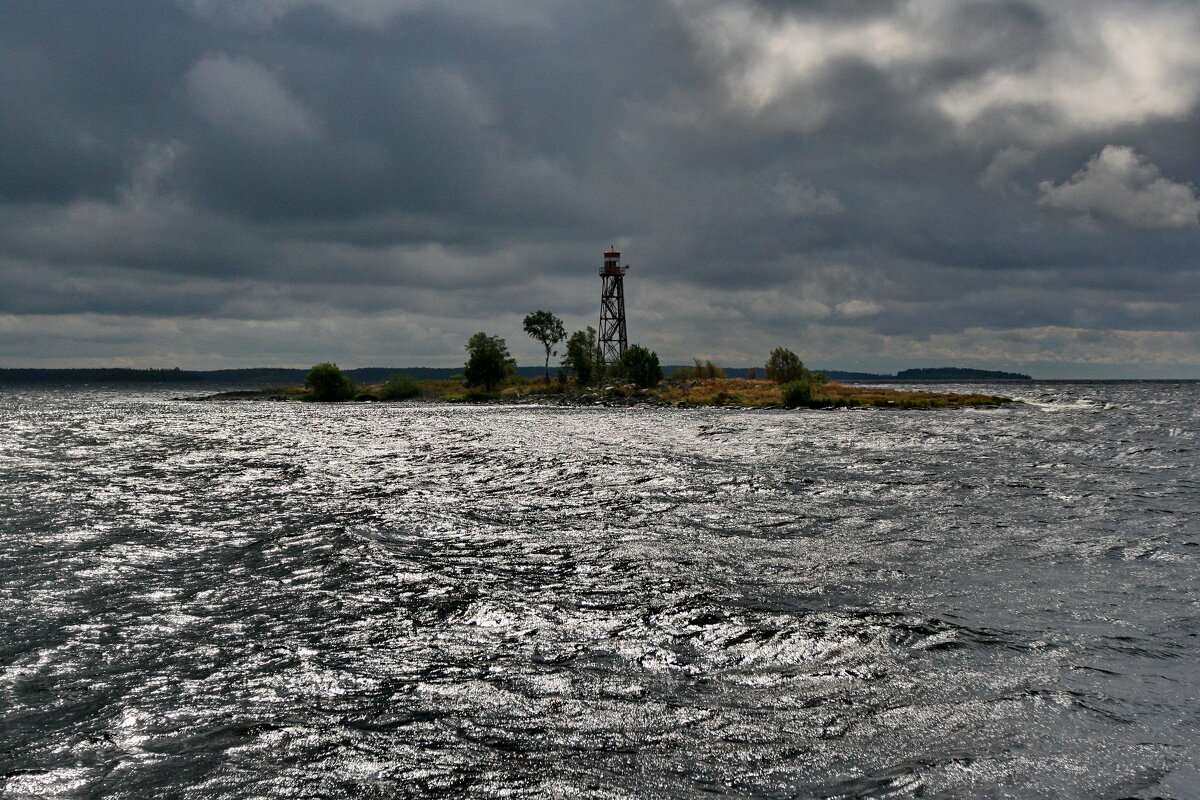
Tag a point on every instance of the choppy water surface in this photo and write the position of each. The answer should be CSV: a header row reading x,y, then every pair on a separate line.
x,y
283,600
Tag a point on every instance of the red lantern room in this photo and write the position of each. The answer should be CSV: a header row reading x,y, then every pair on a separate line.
x,y
612,262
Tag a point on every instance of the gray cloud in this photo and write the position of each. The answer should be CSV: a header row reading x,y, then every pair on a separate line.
x,y
803,199
211,182
1001,173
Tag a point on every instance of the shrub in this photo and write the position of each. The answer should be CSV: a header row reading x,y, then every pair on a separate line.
x,y
365,397
400,387
641,366
328,384
796,393
784,366
488,361
708,370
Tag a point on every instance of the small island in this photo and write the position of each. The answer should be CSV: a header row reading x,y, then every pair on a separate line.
x,y
490,376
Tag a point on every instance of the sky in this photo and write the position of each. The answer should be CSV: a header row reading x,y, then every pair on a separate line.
x,y
874,184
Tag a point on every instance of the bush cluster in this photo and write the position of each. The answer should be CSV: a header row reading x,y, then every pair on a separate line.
x,y
488,362
328,384
796,393
641,366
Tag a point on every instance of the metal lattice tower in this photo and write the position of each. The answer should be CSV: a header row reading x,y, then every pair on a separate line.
x,y
612,341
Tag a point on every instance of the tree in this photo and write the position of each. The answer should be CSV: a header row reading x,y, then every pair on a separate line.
x,y
488,361
784,366
641,366
547,329
581,355
328,383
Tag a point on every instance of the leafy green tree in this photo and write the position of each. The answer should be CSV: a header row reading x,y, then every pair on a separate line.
x,y
784,366
581,355
548,329
488,361
641,366
400,387
328,383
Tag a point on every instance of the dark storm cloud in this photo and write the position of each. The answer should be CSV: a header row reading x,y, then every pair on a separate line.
x,y
875,184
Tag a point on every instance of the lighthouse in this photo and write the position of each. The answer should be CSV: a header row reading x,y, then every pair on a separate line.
x,y
612,341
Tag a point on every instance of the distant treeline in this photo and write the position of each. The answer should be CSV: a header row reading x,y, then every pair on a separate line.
x,y
280,376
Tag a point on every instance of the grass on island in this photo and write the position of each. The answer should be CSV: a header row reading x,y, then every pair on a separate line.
x,y
731,392
736,392
759,393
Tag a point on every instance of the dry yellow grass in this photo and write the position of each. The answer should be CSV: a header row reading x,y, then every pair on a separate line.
x,y
719,391
442,388
879,396
742,392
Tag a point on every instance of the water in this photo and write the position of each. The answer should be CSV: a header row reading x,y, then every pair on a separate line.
x,y
267,600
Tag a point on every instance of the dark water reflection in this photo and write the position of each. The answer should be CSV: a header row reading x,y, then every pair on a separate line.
x,y
282,600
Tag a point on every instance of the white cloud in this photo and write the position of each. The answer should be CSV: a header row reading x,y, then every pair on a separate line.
x,y
1107,64
243,99
1122,185
771,64
1114,64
